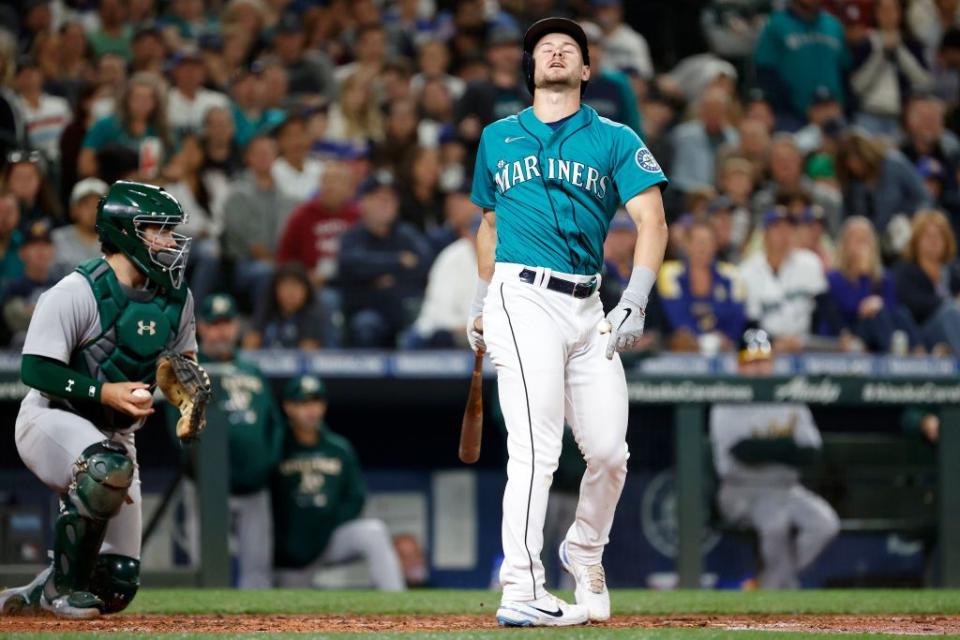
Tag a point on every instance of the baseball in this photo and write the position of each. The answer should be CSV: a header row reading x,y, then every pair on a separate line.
x,y
141,394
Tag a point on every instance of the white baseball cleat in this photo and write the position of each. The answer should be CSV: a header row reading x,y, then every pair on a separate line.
x,y
80,605
21,601
548,611
591,589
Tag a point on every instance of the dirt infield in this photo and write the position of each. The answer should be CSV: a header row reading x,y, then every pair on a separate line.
x,y
903,624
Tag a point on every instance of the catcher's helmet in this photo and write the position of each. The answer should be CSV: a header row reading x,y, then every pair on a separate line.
x,y
541,28
121,216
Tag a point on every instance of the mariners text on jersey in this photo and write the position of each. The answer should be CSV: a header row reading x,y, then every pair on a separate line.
x,y
555,190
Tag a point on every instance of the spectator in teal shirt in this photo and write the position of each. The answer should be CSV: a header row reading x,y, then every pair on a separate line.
x,y
140,116
115,34
11,266
250,114
800,49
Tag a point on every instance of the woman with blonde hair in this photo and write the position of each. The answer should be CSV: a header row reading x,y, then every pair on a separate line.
x,y
878,181
139,125
863,291
354,117
928,281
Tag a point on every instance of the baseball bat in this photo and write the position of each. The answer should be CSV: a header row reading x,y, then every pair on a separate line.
x,y
472,426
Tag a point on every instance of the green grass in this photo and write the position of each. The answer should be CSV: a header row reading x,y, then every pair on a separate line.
x,y
626,602
635,602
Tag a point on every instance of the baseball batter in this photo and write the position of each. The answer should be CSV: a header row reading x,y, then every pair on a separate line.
x,y
90,357
549,180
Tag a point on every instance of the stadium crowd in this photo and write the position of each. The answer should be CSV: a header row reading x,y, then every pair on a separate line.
x,y
323,150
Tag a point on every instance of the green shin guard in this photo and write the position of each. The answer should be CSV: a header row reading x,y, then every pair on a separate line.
x,y
115,581
102,476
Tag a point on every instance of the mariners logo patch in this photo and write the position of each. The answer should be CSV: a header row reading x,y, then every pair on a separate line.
x,y
646,161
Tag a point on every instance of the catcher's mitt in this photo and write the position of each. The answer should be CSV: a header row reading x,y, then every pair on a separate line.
x,y
187,386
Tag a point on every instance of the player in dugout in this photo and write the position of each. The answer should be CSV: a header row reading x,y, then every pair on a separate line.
x,y
758,451
318,494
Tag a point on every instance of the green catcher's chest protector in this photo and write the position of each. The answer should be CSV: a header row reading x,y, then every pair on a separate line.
x,y
134,330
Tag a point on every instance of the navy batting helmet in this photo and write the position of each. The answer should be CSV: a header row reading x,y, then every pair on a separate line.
x,y
541,28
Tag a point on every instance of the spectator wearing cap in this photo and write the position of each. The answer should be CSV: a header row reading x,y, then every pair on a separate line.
x,y
824,108
503,94
433,63
784,284
383,265
294,171
610,93
25,177
888,66
695,143
45,116
249,103
114,33
256,211
723,214
309,72
811,231
148,49
242,403
693,75
448,295
78,242
188,100
879,183
863,291
20,294
318,495
926,136
936,180
291,315
624,46
139,125
732,27
312,233
800,48
701,296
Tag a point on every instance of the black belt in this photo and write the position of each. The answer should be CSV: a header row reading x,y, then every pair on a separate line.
x,y
575,289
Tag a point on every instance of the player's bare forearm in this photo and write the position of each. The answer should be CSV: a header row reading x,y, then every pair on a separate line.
x,y
486,244
646,210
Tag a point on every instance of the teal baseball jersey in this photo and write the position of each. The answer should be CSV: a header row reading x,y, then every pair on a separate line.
x,y
555,191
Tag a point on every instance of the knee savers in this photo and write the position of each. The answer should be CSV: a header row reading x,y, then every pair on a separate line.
x,y
115,580
101,478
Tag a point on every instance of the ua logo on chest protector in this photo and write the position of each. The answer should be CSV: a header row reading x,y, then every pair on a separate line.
x,y
143,327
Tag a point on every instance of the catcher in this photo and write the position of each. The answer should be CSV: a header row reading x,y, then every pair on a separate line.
x,y
97,342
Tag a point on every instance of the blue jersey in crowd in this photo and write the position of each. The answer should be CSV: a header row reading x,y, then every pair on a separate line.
x,y
722,310
555,190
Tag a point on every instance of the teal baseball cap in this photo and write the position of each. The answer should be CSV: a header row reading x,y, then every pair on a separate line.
x,y
305,388
217,307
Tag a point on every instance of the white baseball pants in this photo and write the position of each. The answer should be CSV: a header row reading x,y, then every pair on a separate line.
x,y
50,440
551,368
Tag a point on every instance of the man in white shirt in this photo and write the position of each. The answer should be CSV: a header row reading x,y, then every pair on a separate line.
x,y
188,101
450,287
782,283
624,48
79,241
45,116
296,174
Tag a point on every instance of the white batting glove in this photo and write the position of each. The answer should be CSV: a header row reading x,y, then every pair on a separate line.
x,y
625,321
625,325
475,337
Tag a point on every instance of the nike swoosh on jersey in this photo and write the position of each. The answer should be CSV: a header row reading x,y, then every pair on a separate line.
x,y
510,139
554,614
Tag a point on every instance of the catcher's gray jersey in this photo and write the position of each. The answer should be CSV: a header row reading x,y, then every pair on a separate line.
x,y
729,424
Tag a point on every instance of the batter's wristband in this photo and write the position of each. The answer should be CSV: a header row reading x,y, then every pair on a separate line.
x,y
476,307
639,287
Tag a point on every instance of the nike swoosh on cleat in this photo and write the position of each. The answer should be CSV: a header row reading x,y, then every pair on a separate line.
x,y
554,614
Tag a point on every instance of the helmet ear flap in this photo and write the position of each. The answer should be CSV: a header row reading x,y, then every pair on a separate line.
x,y
528,70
